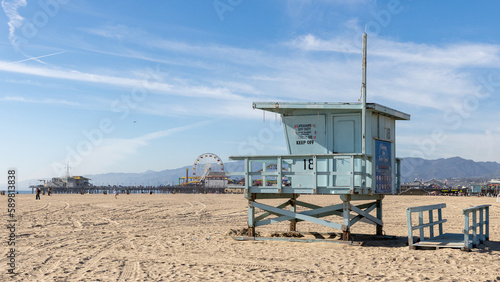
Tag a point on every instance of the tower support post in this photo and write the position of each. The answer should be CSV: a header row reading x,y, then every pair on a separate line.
x,y
293,208
346,214
251,217
379,216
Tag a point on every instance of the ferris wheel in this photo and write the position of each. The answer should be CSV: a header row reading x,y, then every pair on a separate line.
x,y
206,163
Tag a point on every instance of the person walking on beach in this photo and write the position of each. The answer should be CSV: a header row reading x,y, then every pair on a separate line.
x,y
116,193
37,194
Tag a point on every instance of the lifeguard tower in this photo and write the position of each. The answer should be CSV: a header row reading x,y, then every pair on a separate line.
x,y
334,148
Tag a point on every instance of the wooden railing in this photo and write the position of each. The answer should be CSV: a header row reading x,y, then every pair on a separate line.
x,y
421,225
317,174
481,222
476,221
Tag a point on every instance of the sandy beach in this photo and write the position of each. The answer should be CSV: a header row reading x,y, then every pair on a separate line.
x,y
183,237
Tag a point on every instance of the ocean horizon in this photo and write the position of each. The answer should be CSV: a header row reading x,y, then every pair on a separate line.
x,y
20,191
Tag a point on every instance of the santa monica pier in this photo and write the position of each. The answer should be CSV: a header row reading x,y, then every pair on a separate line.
x,y
207,176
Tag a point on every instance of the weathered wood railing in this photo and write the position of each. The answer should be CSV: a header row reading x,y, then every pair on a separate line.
x,y
479,225
483,224
305,174
421,225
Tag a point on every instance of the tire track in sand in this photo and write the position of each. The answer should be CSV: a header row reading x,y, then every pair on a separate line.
x,y
31,251
51,269
131,266
66,206
204,207
89,266
129,272
110,220
47,205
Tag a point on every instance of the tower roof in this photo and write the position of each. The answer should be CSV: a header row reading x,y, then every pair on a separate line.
x,y
289,107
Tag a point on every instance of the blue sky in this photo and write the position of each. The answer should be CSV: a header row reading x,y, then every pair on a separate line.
x,y
130,86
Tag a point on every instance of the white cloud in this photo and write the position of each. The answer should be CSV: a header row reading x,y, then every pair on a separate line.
x,y
310,42
135,54
433,76
217,53
15,20
427,76
453,55
38,101
213,54
160,87
241,109
401,72
118,31
114,150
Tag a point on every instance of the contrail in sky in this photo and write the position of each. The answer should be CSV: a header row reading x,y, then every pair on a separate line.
x,y
33,58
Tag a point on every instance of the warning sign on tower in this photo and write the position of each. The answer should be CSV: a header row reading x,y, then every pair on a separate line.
x,y
305,131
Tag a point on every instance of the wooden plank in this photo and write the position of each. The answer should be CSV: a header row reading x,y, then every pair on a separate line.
x,y
466,229
464,241
426,208
275,196
481,226
428,224
370,207
289,239
366,214
307,205
410,231
431,220
447,240
320,212
466,210
266,214
487,224
440,217
421,222
285,215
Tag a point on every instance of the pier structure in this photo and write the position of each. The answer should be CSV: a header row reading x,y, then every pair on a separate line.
x,y
135,189
345,149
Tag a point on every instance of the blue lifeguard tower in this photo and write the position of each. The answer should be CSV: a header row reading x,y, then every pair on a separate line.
x,y
334,148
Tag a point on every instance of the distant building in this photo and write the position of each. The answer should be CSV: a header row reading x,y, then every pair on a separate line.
x,y
411,185
493,186
216,180
68,182
476,189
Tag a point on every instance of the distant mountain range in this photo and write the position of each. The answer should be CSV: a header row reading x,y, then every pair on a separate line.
x,y
456,167
152,178
411,169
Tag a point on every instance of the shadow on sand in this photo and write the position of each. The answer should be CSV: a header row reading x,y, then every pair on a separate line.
x,y
402,241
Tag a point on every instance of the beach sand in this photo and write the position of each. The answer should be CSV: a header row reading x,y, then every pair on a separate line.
x,y
183,237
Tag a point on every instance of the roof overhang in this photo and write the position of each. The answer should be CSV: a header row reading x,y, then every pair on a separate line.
x,y
290,107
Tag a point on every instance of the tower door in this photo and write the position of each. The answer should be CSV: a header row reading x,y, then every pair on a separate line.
x,y
346,139
347,134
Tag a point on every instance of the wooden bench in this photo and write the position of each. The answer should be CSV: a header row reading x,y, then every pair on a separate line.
x,y
479,225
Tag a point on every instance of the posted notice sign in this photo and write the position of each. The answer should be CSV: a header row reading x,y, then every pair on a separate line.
x,y
383,169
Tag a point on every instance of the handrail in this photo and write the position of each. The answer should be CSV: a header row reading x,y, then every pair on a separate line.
x,y
426,208
473,223
316,170
483,224
295,155
421,226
